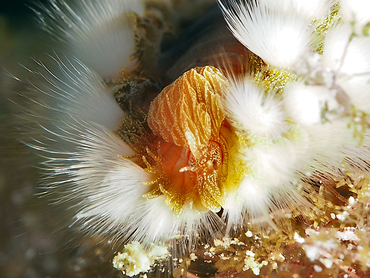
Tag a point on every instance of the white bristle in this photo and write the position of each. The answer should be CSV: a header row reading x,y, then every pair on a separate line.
x,y
247,106
314,9
72,92
255,197
110,189
356,11
358,90
100,33
328,145
307,104
345,54
311,10
234,209
280,38
153,221
273,164
106,181
274,168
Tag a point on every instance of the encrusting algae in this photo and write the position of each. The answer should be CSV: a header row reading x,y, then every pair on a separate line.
x,y
330,241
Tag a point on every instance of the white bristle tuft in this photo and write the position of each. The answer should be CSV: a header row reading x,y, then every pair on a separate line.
x,y
247,106
153,221
110,185
358,90
345,54
311,10
72,92
356,11
234,209
100,33
274,164
109,189
314,9
255,197
327,145
309,105
280,38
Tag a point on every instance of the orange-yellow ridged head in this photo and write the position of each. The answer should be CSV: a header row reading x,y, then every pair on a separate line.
x,y
187,117
190,104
